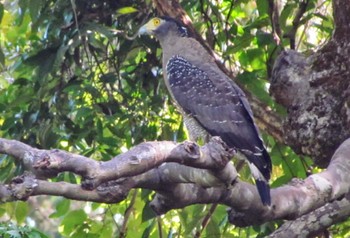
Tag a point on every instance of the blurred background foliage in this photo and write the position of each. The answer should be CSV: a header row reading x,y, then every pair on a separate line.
x,y
70,79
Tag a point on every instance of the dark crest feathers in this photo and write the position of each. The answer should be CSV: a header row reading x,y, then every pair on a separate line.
x,y
184,32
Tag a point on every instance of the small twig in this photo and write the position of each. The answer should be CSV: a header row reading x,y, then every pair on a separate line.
x,y
114,221
127,214
74,7
78,30
296,22
125,35
206,220
209,24
159,223
274,17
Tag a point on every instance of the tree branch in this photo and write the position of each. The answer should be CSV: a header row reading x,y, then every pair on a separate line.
x,y
274,18
316,221
141,158
164,168
296,22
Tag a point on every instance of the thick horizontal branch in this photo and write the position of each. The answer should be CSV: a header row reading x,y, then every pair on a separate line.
x,y
165,168
288,202
213,156
303,196
316,221
141,158
115,191
26,185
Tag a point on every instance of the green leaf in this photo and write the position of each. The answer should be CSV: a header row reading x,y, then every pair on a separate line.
x,y
21,211
126,10
36,234
6,168
286,13
99,128
263,7
107,230
62,207
147,213
44,60
84,112
60,56
34,9
147,232
23,4
94,27
281,181
188,220
72,220
264,38
1,11
108,78
46,136
212,229
14,234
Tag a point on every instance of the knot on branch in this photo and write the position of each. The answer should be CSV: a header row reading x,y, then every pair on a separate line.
x,y
46,164
114,191
219,151
43,162
90,183
161,204
187,150
23,186
214,155
288,83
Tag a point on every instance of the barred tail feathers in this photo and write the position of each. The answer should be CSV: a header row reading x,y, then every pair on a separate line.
x,y
264,191
262,184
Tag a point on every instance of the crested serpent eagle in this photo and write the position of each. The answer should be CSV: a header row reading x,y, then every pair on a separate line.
x,y
210,102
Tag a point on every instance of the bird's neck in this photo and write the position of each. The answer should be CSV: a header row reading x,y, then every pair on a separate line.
x,y
168,41
188,48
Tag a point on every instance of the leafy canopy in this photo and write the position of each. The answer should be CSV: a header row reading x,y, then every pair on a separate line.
x,y
70,79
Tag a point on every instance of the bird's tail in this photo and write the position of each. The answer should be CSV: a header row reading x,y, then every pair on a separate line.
x,y
262,184
264,191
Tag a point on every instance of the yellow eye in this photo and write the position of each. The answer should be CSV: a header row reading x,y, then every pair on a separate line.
x,y
156,21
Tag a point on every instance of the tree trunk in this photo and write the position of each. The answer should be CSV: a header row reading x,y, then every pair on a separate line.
x,y
316,92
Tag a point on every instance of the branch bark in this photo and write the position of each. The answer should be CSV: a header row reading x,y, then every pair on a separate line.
x,y
316,221
181,174
316,92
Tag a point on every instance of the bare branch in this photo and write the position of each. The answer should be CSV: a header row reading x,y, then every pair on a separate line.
x,y
316,221
141,158
211,180
288,202
274,18
22,187
296,22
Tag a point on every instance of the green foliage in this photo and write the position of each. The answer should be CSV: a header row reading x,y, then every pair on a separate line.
x,y
69,79
62,207
10,230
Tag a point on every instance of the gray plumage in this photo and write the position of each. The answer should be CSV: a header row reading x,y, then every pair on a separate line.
x,y
210,102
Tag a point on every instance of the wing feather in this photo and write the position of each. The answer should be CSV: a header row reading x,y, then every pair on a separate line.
x,y
219,106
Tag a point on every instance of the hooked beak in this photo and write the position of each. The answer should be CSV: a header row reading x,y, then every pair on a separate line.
x,y
148,29
143,30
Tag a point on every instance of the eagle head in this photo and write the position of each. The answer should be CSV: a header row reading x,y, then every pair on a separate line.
x,y
163,26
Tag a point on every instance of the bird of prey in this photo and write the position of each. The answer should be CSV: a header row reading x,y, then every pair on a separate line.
x,y
210,102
